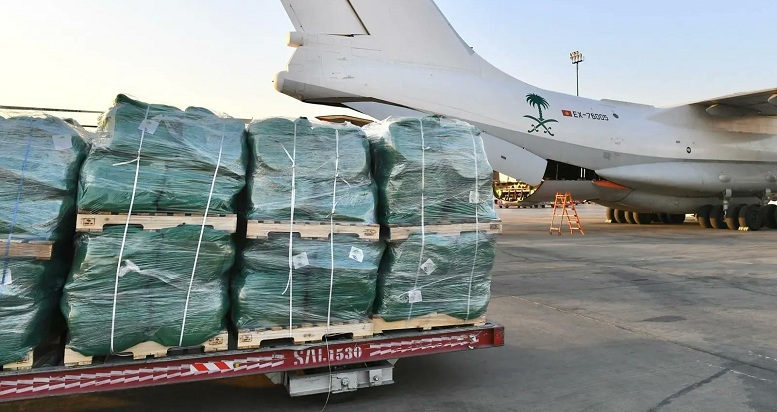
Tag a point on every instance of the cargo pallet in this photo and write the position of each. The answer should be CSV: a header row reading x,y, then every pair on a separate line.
x,y
261,229
97,221
425,322
23,363
253,338
360,363
37,249
402,232
22,248
151,349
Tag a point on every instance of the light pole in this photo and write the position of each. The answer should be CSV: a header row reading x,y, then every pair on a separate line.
x,y
577,58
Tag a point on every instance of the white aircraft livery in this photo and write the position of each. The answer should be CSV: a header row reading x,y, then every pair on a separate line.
x,y
716,158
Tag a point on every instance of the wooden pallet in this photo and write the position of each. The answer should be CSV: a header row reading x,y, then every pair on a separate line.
x,y
312,230
252,338
96,222
399,232
38,249
426,322
149,349
23,363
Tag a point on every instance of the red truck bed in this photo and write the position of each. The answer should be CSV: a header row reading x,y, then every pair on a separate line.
x,y
60,380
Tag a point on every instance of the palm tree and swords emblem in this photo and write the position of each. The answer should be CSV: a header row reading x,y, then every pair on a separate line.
x,y
540,103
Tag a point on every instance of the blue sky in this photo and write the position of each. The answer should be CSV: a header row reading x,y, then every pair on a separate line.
x,y
223,55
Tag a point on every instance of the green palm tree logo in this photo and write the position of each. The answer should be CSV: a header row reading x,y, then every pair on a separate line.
x,y
540,103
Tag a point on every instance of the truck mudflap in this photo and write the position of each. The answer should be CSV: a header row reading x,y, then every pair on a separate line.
x,y
60,380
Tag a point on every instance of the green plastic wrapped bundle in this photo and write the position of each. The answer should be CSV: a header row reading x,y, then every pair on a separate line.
x,y
320,152
179,154
442,274
39,161
153,282
29,295
434,164
266,295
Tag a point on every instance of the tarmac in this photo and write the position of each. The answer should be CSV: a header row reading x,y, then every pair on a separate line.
x,y
623,318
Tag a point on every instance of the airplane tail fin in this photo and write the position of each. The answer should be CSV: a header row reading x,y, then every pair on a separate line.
x,y
409,31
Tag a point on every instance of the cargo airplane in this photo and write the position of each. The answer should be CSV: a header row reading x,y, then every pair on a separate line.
x,y
716,158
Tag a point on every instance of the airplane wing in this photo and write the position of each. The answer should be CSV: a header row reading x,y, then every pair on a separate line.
x,y
758,103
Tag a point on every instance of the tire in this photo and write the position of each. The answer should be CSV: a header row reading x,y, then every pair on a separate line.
x,y
643,218
609,214
732,217
718,217
676,218
630,218
703,216
620,216
769,216
750,217
663,218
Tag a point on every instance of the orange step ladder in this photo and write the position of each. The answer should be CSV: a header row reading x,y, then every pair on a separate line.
x,y
564,202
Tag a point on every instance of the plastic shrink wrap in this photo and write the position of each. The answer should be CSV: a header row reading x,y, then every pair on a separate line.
x,y
437,163
178,153
152,286
310,285
28,299
441,274
39,161
305,156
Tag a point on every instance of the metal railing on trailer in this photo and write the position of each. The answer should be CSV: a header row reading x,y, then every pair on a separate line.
x,y
367,359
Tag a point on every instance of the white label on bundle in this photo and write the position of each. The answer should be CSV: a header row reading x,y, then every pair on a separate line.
x,y
61,141
414,296
128,267
149,125
300,260
356,254
7,280
428,267
474,197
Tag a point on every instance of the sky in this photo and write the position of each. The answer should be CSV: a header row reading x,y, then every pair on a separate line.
x,y
223,55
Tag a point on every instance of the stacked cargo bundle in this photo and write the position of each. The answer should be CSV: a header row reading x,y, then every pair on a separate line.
x,y
310,266
167,180
436,208
39,161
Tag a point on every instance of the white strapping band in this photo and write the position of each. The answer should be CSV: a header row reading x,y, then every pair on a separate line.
x,y
332,228
290,281
126,226
477,224
423,228
202,231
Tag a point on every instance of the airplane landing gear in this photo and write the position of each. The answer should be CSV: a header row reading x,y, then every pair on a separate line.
x,y
732,216
703,216
750,217
718,217
768,216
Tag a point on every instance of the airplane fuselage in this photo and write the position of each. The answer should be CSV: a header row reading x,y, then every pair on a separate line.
x,y
666,159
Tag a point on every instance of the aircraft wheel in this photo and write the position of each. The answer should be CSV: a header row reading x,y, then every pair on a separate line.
x,y
769,216
643,218
718,217
676,218
630,218
609,214
703,216
750,217
663,217
620,216
732,217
